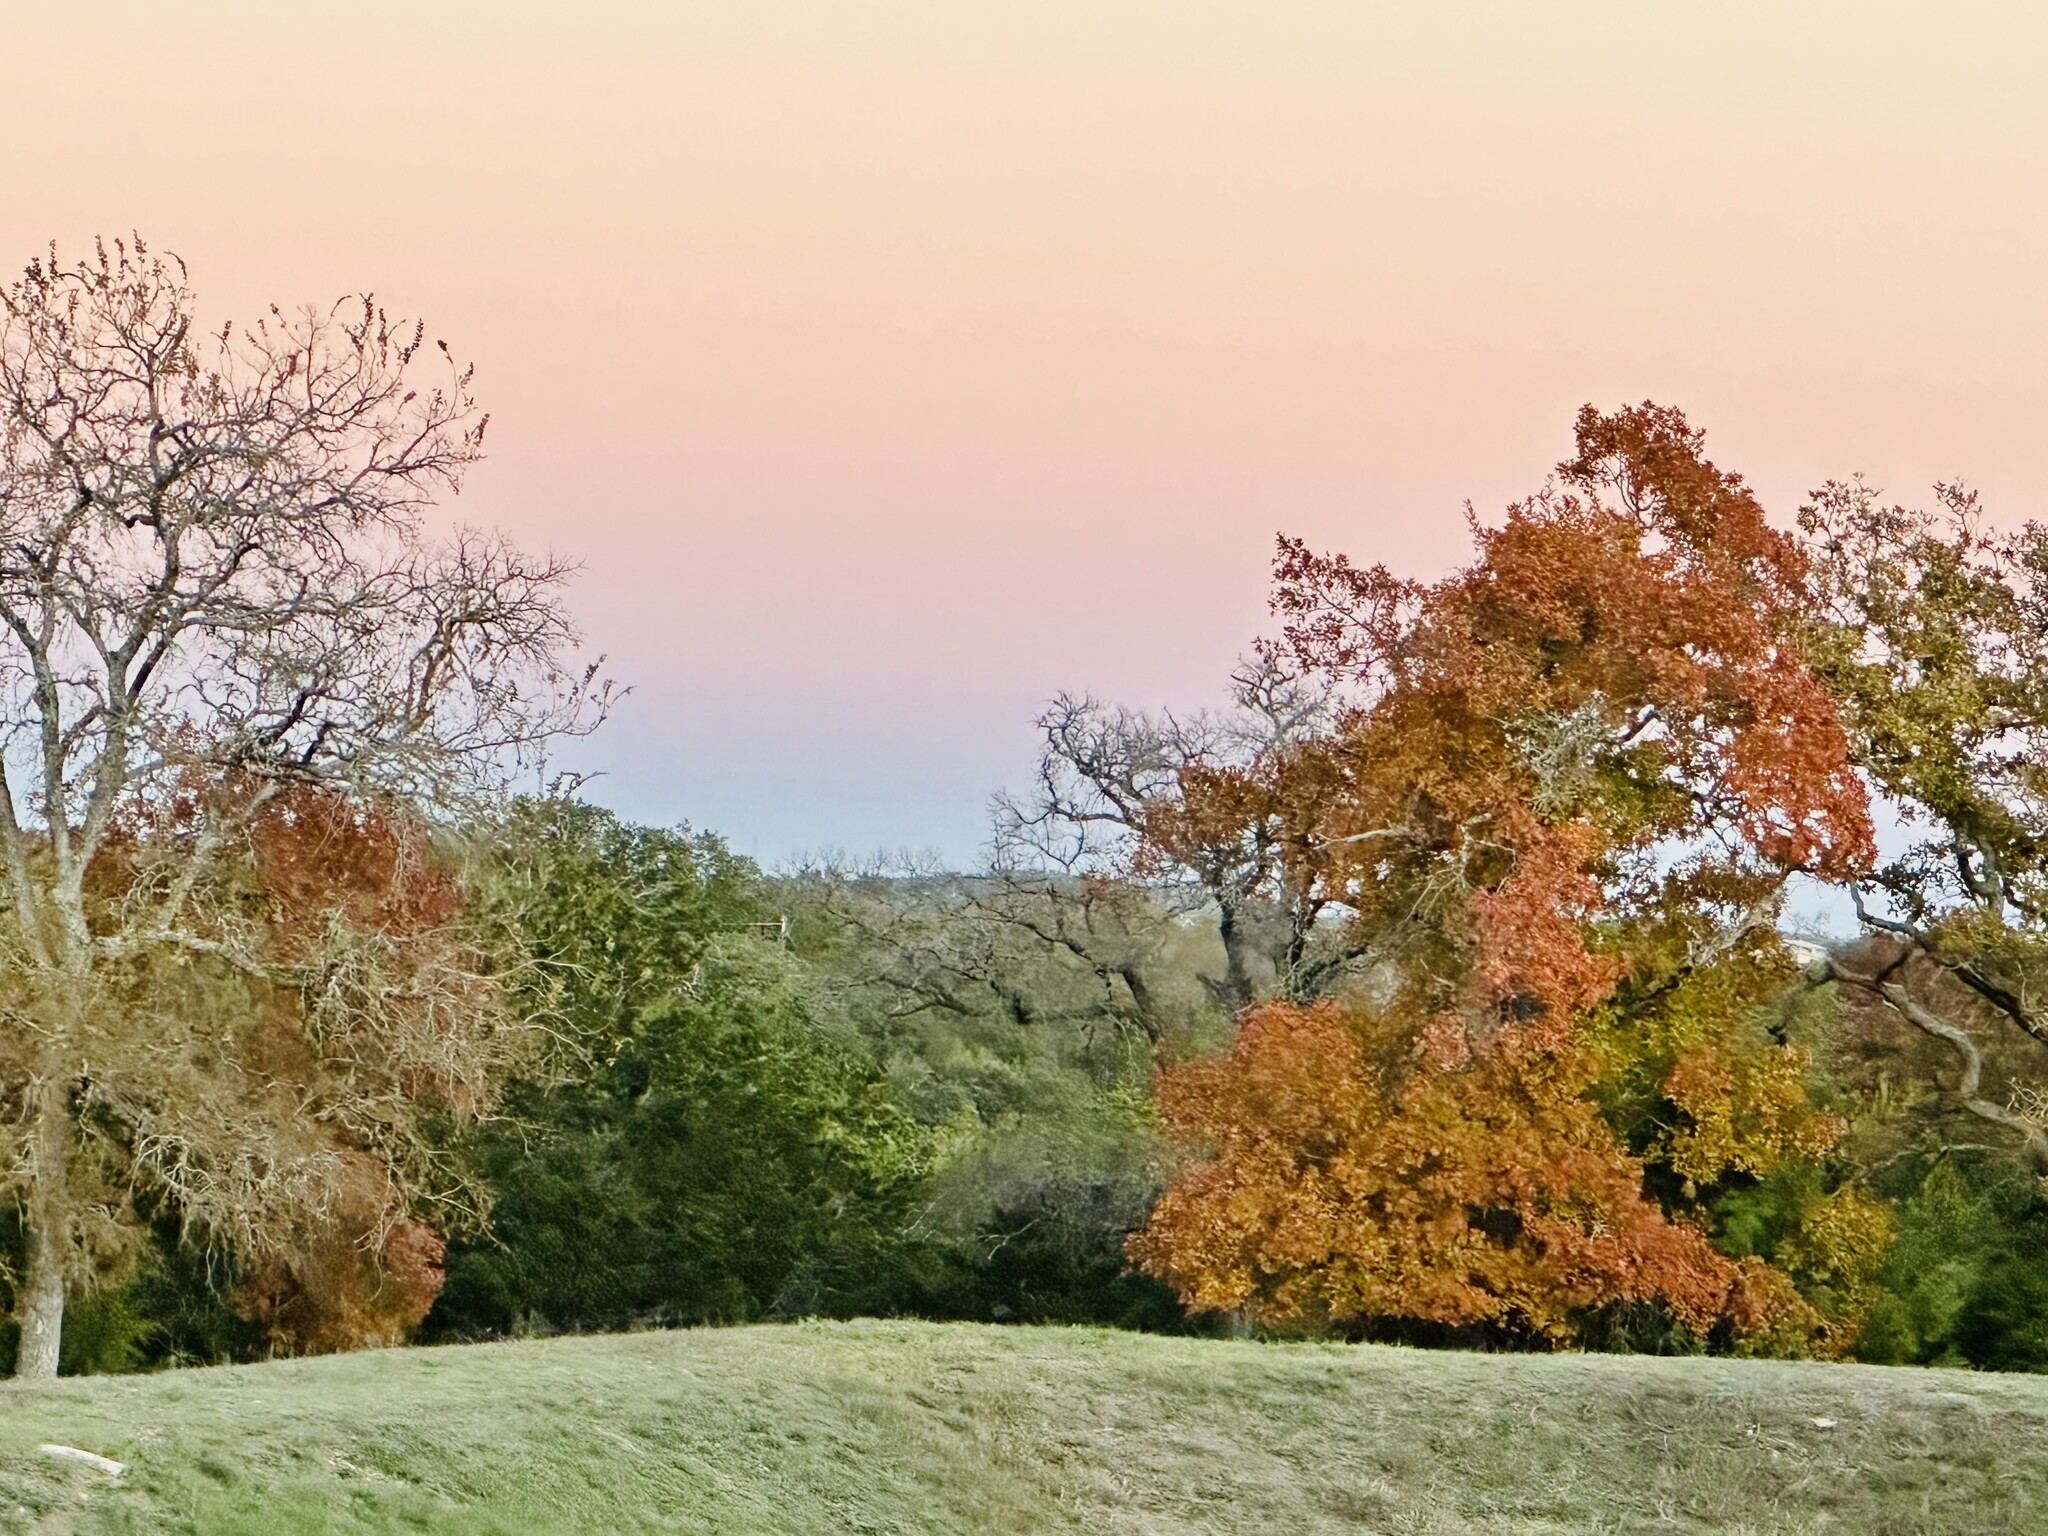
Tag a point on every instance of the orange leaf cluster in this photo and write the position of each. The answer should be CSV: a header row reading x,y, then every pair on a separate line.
x,y
353,1009
1486,1194
357,1280
1743,1114
323,857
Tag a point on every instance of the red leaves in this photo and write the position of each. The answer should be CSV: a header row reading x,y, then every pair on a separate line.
x,y
1651,457
1604,681
1531,961
322,856
1342,615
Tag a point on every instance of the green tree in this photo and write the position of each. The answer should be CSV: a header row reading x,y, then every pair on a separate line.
x,y
711,1139
1020,1014
1928,628
1963,1283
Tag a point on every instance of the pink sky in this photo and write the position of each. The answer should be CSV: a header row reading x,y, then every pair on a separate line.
x,y
895,365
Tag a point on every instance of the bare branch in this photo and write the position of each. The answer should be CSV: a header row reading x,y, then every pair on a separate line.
x,y
224,620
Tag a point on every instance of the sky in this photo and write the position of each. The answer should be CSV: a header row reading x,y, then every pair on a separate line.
x,y
894,366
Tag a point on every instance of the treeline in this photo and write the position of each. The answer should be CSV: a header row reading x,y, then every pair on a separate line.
x,y
901,1091
839,1092
1434,990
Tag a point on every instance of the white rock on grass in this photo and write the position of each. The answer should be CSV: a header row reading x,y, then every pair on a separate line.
x,y
106,1464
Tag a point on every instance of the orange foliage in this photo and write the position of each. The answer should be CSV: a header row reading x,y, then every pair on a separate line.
x,y
365,1274
1491,1193
352,1011
323,857
1743,1114
356,1280
1603,719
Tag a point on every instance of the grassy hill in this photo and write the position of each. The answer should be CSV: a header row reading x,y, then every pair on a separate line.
x,y
897,1427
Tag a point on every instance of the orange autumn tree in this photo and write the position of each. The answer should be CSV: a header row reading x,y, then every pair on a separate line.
x,y
1561,814
362,914
352,1006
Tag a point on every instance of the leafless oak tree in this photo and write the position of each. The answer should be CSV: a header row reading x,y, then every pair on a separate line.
x,y
1192,806
218,591
1028,947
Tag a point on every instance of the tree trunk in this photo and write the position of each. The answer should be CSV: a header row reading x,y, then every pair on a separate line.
x,y
40,1306
39,1300
1235,989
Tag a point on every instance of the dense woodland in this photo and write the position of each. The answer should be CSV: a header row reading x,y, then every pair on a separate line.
x,y
1434,989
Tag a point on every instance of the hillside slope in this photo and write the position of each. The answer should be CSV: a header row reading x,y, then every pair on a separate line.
x,y
913,1428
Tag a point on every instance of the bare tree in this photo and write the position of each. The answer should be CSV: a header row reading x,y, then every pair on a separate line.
x,y
1205,809
1026,947
217,598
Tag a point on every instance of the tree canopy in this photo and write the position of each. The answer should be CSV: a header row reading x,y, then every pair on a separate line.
x,y
238,675
1435,987
1577,771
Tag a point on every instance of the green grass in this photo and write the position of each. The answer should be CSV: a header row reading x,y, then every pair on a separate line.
x,y
900,1427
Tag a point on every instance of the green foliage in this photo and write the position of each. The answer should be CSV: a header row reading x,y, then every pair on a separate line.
x,y
105,1331
1028,1218
2003,1325
1003,1013
1829,1236
609,916
747,1145
715,1139
184,1287
1964,1283
168,1305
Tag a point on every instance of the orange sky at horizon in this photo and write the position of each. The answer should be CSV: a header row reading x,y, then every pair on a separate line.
x,y
895,366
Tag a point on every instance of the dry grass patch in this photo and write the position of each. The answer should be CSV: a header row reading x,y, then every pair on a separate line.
x,y
914,1428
